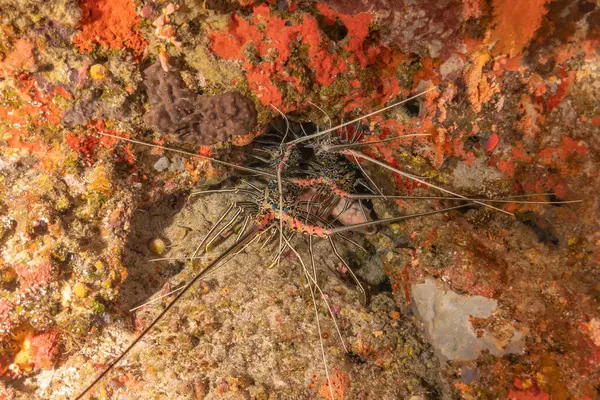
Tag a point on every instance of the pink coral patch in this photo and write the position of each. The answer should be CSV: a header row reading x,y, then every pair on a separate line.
x,y
32,275
44,349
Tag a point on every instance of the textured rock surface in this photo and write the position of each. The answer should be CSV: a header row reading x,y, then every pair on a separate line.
x,y
446,316
190,118
249,331
423,27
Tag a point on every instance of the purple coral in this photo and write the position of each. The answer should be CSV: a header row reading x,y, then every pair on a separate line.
x,y
188,117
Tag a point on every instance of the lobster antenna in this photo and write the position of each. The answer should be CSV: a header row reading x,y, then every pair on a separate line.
x,y
416,179
185,289
346,228
326,131
188,153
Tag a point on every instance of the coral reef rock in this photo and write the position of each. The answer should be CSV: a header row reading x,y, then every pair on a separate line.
x,y
414,26
176,110
447,315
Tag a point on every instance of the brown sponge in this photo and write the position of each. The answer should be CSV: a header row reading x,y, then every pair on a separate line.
x,y
199,120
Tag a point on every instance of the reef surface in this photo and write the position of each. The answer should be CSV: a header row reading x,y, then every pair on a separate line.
x,y
516,111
